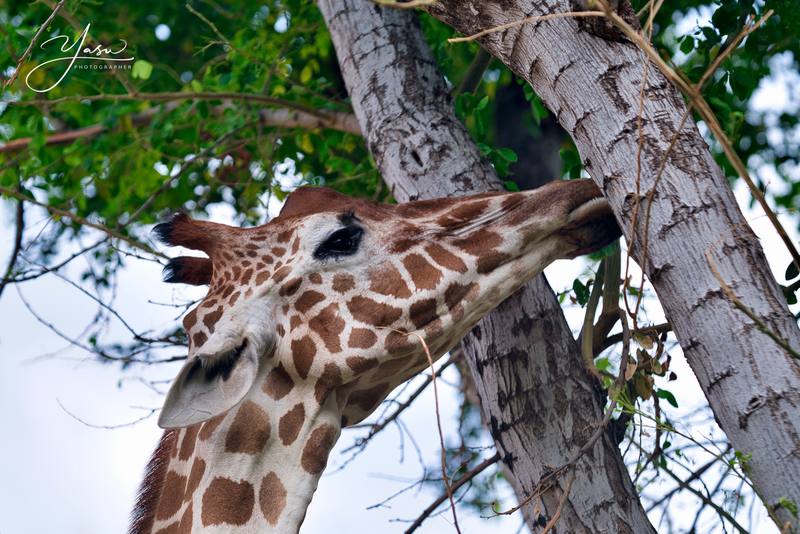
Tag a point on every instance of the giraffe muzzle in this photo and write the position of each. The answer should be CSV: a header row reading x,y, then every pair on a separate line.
x,y
590,223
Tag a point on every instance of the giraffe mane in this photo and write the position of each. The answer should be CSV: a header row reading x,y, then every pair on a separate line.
x,y
143,514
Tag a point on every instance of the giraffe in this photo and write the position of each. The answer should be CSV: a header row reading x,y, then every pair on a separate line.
x,y
313,318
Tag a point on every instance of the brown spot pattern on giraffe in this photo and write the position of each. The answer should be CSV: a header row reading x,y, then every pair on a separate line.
x,y
210,319
372,312
360,364
172,528
171,495
281,273
463,214
308,300
361,338
290,287
186,521
456,293
399,341
316,450
198,339
272,498
278,383
249,430
190,320
290,424
195,476
331,377
423,312
445,258
211,425
188,442
388,281
423,273
478,242
328,325
342,283
491,261
303,351
227,502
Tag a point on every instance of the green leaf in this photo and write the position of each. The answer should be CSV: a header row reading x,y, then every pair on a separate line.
x,y
581,292
791,271
788,504
507,154
510,185
602,364
482,103
141,69
538,109
667,396
687,44
306,74
791,296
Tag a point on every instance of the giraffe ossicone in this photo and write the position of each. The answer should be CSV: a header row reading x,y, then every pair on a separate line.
x,y
313,318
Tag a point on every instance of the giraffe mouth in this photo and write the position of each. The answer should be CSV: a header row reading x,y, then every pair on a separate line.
x,y
591,210
590,226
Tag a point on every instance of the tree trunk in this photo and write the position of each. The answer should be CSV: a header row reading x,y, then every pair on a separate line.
x,y
538,400
592,84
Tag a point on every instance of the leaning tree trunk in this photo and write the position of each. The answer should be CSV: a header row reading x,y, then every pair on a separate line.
x,y
541,407
593,85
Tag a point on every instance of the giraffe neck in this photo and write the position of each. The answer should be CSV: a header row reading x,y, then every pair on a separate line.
x,y
252,469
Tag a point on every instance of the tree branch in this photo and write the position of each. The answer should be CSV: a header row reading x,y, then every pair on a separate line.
x,y
82,221
469,475
28,50
19,230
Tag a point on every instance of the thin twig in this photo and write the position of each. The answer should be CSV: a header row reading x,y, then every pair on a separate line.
x,y
150,412
587,332
410,4
82,221
468,476
784,344
557,515
28,50
19,230
377,427
445,478
699,103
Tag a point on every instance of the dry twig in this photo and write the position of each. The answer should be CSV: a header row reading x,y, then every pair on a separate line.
x,y
28,50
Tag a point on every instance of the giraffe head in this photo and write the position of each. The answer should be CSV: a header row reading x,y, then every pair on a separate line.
x,y
335,294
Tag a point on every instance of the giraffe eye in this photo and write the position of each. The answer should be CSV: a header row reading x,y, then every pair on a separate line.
x,y
342,242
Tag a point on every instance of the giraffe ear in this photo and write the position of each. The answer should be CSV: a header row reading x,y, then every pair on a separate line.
x,y
207,386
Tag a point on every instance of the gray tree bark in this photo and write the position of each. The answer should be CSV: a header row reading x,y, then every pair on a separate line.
x,y
535,394
592,84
